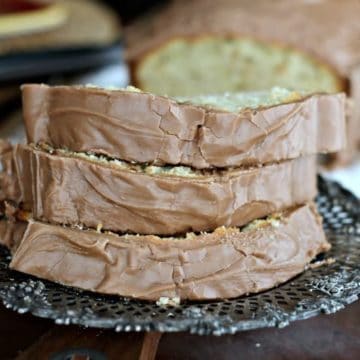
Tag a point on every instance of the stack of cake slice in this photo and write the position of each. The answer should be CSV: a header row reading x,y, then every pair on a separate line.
x,y
129,193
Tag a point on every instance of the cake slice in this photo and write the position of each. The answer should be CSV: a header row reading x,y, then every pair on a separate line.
x,y
227,130
225,263
65,187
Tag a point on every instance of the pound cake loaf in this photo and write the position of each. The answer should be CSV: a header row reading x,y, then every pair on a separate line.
x,y
203,46
100,206
202,131
225,263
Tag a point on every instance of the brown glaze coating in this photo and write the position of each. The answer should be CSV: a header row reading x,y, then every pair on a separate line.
x,y
141,127
69,190
11,233
223,264
353,123
9,186
346,156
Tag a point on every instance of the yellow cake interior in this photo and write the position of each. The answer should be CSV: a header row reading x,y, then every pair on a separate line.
x,y
213,64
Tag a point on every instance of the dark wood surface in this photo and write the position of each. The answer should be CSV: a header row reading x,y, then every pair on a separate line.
x,y
334,336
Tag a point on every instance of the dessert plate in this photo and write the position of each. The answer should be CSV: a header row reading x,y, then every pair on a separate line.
x,y
329,284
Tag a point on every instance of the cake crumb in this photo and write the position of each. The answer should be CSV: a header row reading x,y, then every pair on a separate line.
x,y
166,301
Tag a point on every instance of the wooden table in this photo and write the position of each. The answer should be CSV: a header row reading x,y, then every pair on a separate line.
x,y
334,336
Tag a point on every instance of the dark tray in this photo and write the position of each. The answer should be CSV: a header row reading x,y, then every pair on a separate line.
x,y
326,288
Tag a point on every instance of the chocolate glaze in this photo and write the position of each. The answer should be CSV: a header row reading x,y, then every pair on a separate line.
x,y
23,177
9,186
223,264
11,233
142,127
70,190
353,124
352,120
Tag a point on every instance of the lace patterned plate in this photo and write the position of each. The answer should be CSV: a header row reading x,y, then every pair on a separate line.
x,y
327,288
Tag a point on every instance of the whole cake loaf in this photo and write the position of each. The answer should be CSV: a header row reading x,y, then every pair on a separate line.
x,y
203,46
120,191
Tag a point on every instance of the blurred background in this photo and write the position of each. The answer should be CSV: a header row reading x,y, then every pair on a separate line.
x,y
64,41
59,42
76,42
